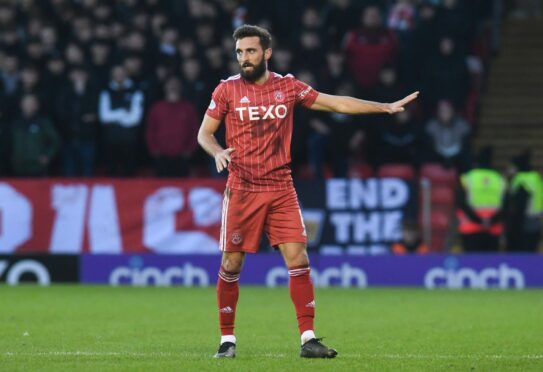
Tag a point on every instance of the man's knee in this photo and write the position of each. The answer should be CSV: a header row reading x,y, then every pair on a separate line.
x,y
295,254
232,261
300,259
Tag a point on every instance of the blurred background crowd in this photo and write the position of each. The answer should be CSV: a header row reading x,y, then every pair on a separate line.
x,y
119,88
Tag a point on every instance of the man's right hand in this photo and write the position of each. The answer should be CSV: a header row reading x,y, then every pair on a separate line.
x,y
222,158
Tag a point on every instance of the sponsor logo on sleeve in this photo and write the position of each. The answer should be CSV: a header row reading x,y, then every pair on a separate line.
x,y
212,104
304,92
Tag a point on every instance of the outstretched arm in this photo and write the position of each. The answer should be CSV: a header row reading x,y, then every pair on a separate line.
x,y
206,139
351,105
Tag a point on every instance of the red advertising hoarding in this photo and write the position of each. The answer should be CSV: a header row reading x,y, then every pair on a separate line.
x,y
110,216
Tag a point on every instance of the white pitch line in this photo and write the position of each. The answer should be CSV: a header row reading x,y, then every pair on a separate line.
x,y
452,356
271,355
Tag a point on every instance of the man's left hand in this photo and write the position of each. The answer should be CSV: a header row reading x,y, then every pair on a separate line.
x,y
398,106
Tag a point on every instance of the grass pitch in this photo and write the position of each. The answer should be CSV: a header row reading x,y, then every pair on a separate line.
x,y
87,328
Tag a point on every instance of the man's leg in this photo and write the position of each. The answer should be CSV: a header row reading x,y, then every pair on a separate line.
x,y
303,298
227,300
301,287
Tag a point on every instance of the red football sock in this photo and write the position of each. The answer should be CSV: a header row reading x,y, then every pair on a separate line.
x,y
227,299
303,297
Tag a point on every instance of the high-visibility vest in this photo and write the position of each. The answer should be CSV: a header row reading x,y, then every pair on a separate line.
x,y
533,184
485,189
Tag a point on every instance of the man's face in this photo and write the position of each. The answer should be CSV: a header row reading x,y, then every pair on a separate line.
x,y
29,105
445,111
118,74
252,58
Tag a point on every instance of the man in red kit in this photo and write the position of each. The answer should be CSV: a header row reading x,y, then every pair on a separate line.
x,y
257,107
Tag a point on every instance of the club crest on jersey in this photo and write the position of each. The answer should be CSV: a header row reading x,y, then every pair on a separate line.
x,y
262,112
236,238
279,96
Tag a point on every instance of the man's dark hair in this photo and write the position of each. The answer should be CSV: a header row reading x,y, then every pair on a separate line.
x,y
250,30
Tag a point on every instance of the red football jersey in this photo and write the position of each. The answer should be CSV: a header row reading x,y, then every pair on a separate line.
x,y
259,126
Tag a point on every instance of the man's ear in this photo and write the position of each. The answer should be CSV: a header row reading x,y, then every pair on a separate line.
x,y
267,54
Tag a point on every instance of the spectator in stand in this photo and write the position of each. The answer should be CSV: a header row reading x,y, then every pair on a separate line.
x,y
49,40
167,49
447,137
411,240
172,128
34,53
282,60
133,64
327,134
382,127
480,200
344,127
76,108
192,39
334,72
401,16
74,54
10,75
454,19
100,56
339,17
388,85
205,34
134,43
195,84
309,52
401,19
216,67
30,83
400,141
35,141
369,48
525,206
186,47
446,76
120,114
309,46
54,80
10,38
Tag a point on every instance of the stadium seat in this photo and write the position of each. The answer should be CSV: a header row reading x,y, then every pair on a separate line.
x,y
403,171
440,219
438,240
437,174
442,195
360,170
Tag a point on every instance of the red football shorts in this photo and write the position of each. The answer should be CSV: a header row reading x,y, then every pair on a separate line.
x,y
246,214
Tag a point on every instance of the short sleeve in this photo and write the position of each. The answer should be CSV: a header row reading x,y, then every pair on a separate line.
x,y
305,94
218,107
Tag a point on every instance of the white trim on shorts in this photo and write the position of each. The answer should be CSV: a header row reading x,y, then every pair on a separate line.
x,y
224,220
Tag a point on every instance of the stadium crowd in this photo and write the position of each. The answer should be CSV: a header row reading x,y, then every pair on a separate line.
x,y
95,87
117,88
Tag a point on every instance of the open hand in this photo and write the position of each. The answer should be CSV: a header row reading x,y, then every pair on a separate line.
x,y
222,158
398,106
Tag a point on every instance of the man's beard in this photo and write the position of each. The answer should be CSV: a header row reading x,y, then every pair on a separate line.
x,y
258,71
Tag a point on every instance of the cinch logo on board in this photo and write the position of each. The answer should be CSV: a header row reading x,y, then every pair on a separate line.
x,y
334,276
136,273
253,113
455,277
